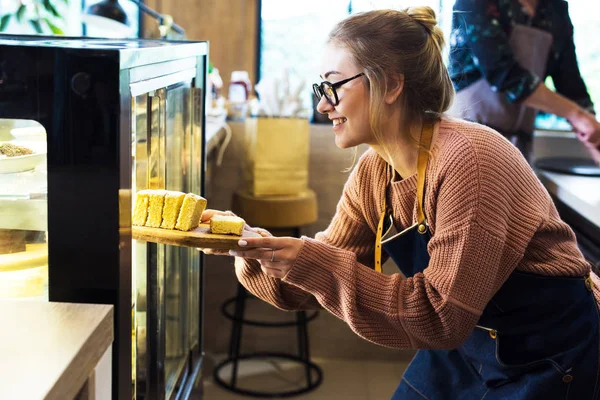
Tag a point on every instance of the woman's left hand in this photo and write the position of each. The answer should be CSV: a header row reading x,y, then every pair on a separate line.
x,y
276,255
208,214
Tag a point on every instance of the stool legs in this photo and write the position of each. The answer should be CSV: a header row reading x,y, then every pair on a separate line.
x,y
303,345
314,375
236,332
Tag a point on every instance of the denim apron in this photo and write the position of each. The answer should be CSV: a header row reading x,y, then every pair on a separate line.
x,y
538,337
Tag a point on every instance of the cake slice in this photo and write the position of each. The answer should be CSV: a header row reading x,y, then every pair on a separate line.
x,y
171,208
140,212
227,224
155,207
191,211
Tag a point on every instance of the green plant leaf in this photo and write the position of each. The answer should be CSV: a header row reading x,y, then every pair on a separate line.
x,y
55,12
50,8
36,25
20,12
55,29
4,21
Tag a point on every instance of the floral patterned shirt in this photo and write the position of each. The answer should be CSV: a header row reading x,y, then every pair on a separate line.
x,y
479,47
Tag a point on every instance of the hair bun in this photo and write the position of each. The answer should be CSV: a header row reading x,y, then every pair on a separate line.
x,y
425,16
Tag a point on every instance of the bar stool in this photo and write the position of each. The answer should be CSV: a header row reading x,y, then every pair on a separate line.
x,y
275,213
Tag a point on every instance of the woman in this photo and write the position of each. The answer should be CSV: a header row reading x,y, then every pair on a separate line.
x,y
495,293
501,52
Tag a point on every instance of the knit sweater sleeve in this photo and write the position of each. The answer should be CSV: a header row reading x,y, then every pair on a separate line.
x,y
482,225
347,230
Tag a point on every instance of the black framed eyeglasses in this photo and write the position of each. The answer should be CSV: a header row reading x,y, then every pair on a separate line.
x,y
329,90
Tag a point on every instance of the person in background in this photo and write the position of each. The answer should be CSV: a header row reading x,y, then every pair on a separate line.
x,y
501,52
492,288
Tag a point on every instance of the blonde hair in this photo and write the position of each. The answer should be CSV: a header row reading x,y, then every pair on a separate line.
x,y
387,44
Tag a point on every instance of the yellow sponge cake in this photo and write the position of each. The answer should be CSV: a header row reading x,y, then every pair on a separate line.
x,y
227,224
140,212
173,202
155,207
191,211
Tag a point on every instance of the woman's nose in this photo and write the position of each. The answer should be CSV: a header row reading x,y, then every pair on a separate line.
x,y
323,106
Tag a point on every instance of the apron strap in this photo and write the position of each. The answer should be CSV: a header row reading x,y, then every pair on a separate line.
x,y
422,159
378,239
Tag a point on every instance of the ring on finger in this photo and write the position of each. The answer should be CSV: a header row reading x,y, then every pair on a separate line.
x,y
273,255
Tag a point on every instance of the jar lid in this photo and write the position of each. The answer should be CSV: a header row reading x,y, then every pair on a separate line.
x,y
240,76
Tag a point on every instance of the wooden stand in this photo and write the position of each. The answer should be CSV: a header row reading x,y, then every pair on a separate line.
x,y
12,241
199,237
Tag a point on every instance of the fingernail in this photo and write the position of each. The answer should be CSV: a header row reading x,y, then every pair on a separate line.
x,y
232,253
242,243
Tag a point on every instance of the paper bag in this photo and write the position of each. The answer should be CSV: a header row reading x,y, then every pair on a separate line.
x,y
276,156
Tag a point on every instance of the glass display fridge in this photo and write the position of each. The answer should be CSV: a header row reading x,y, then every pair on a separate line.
x,y
84,125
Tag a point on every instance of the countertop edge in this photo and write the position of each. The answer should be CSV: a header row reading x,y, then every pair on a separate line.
x,y
84,362
51,348
558,186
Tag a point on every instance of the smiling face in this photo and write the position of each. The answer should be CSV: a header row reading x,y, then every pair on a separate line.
x,y
350,117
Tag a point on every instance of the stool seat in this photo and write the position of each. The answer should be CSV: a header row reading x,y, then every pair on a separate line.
x,y
276,211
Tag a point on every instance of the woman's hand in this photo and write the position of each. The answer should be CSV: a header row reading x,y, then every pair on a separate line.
x,y
207,215
276,255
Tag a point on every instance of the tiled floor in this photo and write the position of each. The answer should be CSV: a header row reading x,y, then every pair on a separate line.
x,y
342,379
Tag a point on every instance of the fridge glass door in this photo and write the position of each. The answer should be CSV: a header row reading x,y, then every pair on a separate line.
x,y
166,277
179,259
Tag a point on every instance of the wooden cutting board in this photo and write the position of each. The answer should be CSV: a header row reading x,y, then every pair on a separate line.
x,y
199,237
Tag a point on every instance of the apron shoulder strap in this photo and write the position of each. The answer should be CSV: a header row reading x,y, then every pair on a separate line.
x,y
422,160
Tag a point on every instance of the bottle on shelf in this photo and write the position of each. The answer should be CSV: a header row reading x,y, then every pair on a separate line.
x,y
240,89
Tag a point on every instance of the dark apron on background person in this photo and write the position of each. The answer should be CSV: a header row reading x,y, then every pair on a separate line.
x,y
538,337
479,102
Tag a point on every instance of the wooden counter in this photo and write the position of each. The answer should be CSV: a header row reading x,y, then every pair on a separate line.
x,y
55,350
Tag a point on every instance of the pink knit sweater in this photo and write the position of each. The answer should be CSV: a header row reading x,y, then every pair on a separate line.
x,y
489,215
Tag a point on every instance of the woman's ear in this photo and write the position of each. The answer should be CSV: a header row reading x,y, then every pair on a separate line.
x,y
395,88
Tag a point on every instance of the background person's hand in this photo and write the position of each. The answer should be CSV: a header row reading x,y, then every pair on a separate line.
x,y
587,128
276,255
593,150
207,215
